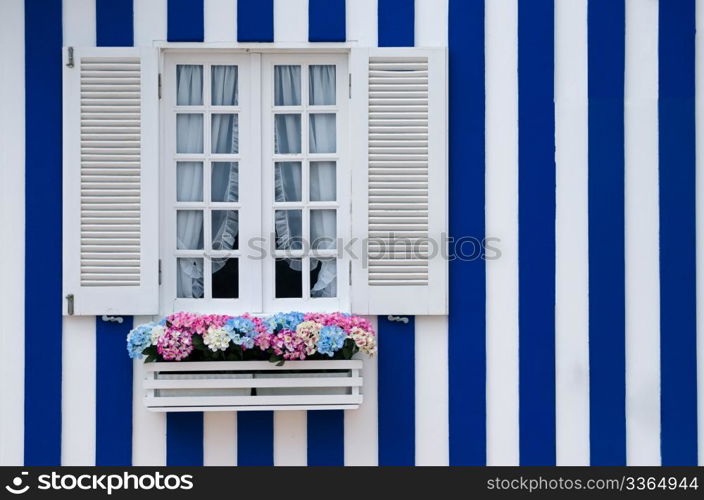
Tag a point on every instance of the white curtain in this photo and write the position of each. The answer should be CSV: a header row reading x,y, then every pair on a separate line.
x,y
322,174
189,85
224,85
189,231
321,90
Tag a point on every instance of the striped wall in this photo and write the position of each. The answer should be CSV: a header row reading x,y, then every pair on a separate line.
x,y
576,137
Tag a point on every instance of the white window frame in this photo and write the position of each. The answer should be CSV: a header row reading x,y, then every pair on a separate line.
x,y
248,171
342,177
257,280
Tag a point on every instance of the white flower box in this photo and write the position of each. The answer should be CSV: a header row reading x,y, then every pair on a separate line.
x,y
252,385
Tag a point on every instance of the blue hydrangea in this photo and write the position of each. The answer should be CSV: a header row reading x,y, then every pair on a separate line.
x,y
241,331
284,321
139,339
331,340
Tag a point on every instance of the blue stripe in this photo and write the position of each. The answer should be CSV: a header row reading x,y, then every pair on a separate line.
x,y
396,392
113,413
396,23
467,296
114,23
536,231
678,329
606,233
42,312
326,437
185,21
255,20
255,438
326,21
113,406
184,439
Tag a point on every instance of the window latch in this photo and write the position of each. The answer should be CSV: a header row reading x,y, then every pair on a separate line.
x,y
159,85
69,305
69,63
159,271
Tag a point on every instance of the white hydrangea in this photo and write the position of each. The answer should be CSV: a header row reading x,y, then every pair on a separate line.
x,y
157,332
216,339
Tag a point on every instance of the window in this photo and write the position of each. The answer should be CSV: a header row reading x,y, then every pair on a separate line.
x,y
222,180
255,182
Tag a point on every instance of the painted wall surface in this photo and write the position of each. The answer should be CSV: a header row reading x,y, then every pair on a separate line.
x,y
576,132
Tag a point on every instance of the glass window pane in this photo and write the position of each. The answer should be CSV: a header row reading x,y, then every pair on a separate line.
x,y
189,230
321,89
225,134
226,278
189,133
224,85
322,133
189,85
289,278
287,134
225,229
323,185
323,229
189,181
289,229
323,278
189,278
287,85
287,181
224,182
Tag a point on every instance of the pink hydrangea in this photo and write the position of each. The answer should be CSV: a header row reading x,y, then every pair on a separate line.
x,y
344,321
175,345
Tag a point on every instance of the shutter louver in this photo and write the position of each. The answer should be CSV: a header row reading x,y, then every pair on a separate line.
x,y
110,171
399,199
110,181
398,171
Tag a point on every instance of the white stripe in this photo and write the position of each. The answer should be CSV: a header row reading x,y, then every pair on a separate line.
x,y
571,232
149,22
148,427
431,23
362,425
432,424
79,23
362,22
78,384
641,226
12,223
700,220
219,438
501,120
291,21
78,391
290,437
220,19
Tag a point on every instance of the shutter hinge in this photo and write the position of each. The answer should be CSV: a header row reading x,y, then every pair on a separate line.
x,y
69,64
349,84
159,78
159,271
350,273
69,300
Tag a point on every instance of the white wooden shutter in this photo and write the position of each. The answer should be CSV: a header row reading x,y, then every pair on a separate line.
x,y
399,180
110,181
